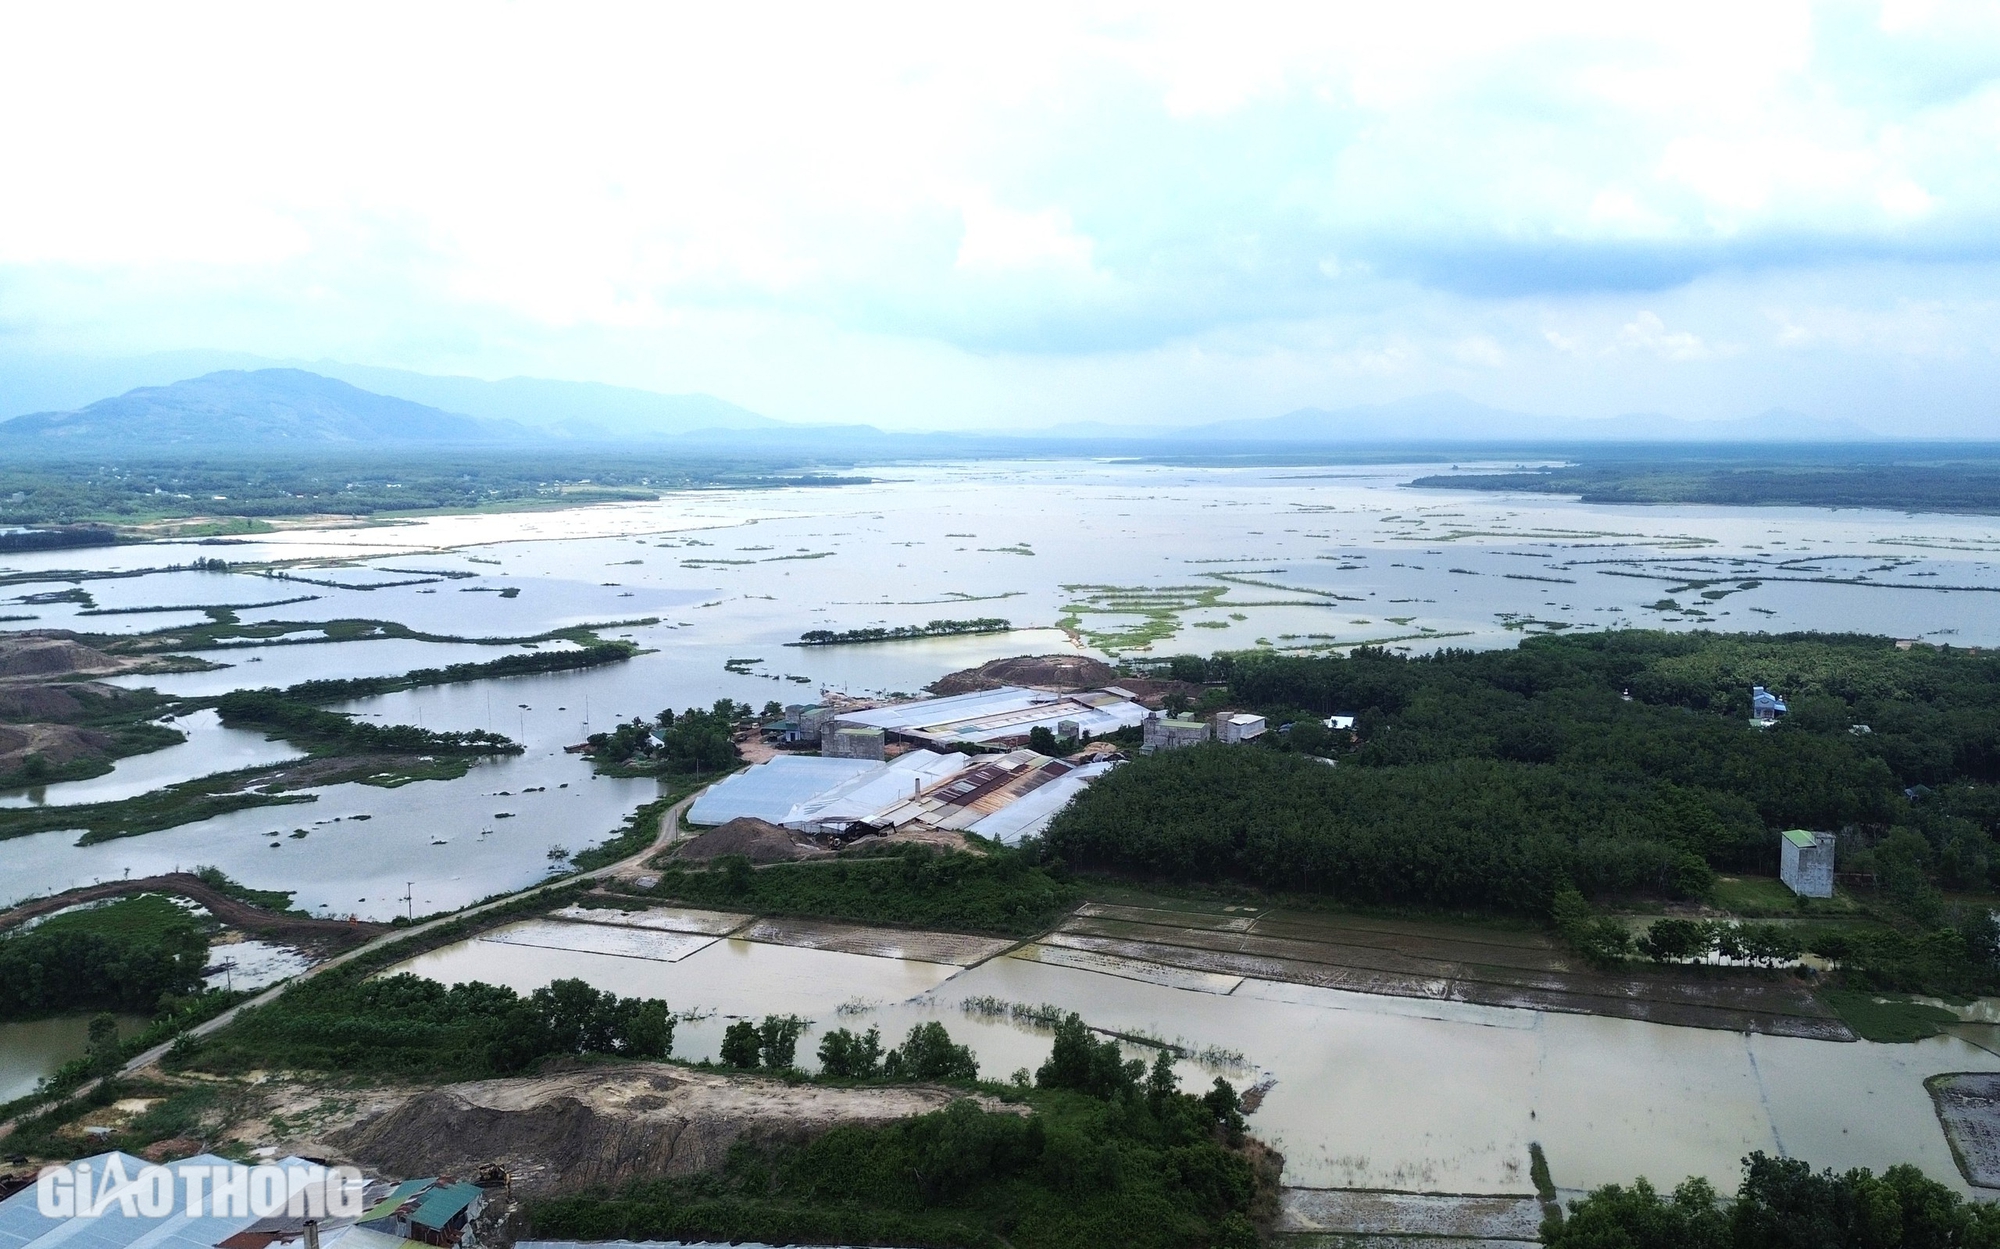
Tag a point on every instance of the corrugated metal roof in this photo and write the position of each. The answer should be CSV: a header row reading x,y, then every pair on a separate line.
x,y
1029,815
769,791
444,1203
397,1196
22,1226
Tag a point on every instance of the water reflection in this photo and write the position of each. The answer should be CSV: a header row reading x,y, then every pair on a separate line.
x,y
1369,1091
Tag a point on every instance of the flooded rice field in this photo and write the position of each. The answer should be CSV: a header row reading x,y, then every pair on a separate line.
x,y
1126,558
1366,1090
1493,967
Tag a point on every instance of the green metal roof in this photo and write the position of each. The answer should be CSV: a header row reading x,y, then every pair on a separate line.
x,y
397,1196
440,1205
1800,838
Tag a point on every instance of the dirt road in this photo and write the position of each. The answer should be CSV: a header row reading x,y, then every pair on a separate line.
x,y
388,937
231,911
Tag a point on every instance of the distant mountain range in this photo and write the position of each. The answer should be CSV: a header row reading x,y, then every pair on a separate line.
x,y
587,411
269,408
290,407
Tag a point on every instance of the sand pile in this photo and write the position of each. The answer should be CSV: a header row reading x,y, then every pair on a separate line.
x,y
754,839
608,1126
1040,672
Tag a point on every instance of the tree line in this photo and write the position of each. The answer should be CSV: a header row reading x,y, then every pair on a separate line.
x,y
1782,1204
319,729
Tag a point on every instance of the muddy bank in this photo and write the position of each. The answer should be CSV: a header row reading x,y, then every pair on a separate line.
x,y
323,934
607,1126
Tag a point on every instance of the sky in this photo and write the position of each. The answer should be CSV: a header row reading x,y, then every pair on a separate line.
x,y
1009,216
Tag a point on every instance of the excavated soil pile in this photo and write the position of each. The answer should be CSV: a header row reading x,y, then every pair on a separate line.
x,y
754,839
607,1126
56,743
47,702
42,654
1041,672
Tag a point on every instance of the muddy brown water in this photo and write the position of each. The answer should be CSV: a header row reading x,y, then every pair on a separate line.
x,y
1371,1090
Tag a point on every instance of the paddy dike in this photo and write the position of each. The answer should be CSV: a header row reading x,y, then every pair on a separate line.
x,y
1405,958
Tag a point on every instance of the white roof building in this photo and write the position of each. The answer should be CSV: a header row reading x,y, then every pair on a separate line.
x,y
997,716
24,1226
769,791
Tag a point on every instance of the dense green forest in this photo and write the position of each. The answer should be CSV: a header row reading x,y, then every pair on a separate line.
x,y
1966,487
1619,763
137,489
122,957
1000,891
407,1026
1782,1204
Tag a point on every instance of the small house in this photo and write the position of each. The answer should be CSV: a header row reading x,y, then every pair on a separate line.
x,y
1805,862
434,1211
1765,707
1238,727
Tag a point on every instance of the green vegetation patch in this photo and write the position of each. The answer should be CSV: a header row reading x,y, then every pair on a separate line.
x,y
1939,487
900,633
1781,1202
148,917
1107,1152
999,892
1874,1017
1621,765
112,959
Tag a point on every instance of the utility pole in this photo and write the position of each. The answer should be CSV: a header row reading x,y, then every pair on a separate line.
x,y
409,899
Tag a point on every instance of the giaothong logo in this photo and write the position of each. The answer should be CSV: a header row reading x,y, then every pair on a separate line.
x,y
82,1190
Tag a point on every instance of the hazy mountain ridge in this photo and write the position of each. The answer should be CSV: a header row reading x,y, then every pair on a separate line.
x,y
292,407
591,411
265,407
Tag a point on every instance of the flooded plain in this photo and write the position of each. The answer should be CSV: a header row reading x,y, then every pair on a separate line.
x,y
1127,559
1365,1090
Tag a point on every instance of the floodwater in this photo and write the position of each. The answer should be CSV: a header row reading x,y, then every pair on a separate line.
x,y
209,748
1292,558
33,1050
1366,1091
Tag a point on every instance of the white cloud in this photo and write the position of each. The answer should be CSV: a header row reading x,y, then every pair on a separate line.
x,y
975,200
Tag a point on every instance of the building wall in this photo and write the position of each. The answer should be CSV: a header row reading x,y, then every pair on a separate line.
x,y
851,743
1809,872
1161,733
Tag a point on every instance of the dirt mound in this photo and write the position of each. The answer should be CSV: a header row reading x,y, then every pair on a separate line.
x,y
1039,672
49,654
40,702
755,839
55,743
607,1126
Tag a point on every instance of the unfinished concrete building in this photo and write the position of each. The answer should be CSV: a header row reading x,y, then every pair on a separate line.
x,y
1172,732
1805,862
